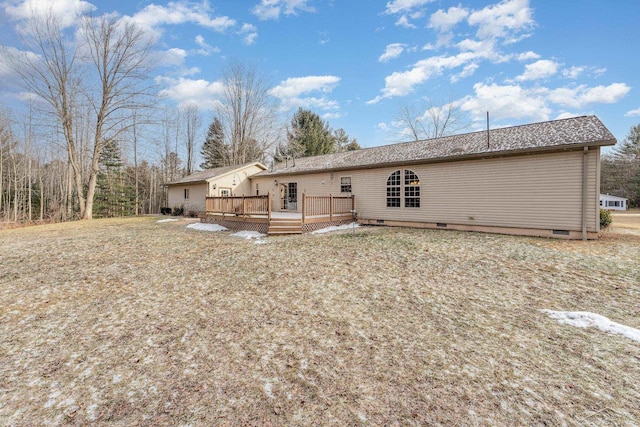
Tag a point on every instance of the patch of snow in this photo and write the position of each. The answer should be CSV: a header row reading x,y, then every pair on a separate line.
x,y
268,389
246,234
91,412
203,226
336,228
166,220
585,319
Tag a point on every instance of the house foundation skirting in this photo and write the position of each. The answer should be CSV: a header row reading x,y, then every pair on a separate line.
x,y
516,231
309,227
237,223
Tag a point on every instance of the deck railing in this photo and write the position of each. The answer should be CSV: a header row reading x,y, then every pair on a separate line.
x,y
239,205
327,205
312,206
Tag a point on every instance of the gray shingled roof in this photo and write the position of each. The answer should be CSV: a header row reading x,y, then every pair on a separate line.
x,y
207,174
546,136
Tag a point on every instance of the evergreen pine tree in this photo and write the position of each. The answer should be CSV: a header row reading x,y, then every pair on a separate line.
x,y
115,196
214,151
309,135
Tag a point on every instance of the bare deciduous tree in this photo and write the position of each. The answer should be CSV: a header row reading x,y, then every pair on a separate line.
x,y
105,63
192,122
247,113
425,121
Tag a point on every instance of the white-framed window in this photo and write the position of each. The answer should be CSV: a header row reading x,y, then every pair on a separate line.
x,y
407,189
345,184
186,193
225,192
393,190
411,189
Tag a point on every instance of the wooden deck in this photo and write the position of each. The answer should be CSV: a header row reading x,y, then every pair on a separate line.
x,y
255,213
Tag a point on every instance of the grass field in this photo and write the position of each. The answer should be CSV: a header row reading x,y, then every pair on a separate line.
x,y
134,322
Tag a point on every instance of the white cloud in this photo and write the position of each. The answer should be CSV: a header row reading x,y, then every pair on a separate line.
x,y
205,48
403,6
573,72
188,91
579,96
401,83
296,86
65,11
324,37
392,51
291,92
633,113
250,33
445,21
467,71
271,9
403,21
173,57
538,70
513,101
527,56
331,116
503,20
566,115
407,9
181,12
506,102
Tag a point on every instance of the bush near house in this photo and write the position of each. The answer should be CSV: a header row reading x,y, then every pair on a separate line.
x,y
605,218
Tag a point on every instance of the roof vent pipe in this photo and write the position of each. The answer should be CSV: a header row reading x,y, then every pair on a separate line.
x,y
487,130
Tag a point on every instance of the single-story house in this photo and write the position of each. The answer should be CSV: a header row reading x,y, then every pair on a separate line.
x,y
613,203
540,179
191,191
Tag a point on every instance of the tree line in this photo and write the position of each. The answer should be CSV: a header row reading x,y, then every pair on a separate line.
x,y
620,169
92,140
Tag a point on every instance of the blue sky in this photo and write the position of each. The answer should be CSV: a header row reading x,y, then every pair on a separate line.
x,y
356,63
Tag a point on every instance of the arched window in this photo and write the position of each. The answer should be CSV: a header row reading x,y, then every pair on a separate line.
x,y
407,188
393,190
411,189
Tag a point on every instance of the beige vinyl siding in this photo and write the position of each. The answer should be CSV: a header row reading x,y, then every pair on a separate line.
x,y
195,202
318,184
534,191
542,191
243,185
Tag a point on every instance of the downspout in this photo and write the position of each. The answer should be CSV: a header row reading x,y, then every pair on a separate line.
x,y
585,152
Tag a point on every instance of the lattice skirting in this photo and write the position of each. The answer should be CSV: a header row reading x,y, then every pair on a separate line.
x,y
260,227
308,228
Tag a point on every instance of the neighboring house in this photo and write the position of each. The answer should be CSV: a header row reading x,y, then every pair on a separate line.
x,y
541,179
190,191
613,203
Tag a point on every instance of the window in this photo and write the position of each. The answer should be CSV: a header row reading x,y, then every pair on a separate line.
x,y
345,184
225,192
409,189
393,190
186,193
293,192
257,189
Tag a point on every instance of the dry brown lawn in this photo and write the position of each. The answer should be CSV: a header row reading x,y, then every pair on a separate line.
x,y
134,322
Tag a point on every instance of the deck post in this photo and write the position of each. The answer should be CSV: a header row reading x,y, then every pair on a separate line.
x,y
353,205
330,207
243,205
269,206
304,197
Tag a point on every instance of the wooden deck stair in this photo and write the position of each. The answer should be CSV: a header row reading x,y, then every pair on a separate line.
x,y
285,226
